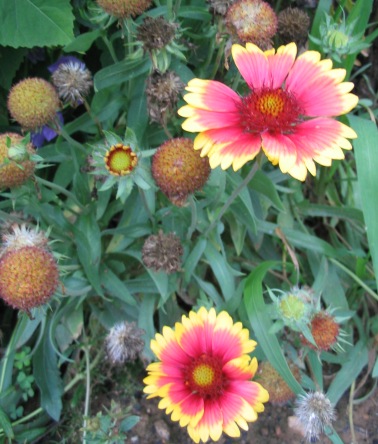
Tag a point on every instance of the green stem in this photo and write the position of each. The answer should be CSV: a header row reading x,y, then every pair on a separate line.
x,y
356,278
110,48
72,142
94,118
87,390
59,189
233,196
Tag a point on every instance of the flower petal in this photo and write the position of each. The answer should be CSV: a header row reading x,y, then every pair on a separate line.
x,y
281,63
252,64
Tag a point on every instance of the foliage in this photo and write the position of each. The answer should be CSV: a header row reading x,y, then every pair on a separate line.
x,y
242,238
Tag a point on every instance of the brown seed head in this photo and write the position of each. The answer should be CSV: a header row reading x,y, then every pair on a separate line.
x,y
252,21
179,170
325,331
28,277
163,252
293,25
33,102
124,8
156,33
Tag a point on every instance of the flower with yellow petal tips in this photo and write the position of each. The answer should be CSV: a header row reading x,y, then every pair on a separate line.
x,y
289,111
204,375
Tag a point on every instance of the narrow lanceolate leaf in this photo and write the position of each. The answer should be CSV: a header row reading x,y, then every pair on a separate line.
x,y
366,153
29,23
46,374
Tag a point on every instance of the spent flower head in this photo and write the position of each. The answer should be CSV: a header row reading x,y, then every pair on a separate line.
x,y
179,170
293,25
325,331
72,80
162,92
314,412
124,8
124,342
220,6
29,273
33,102
163,252
252,21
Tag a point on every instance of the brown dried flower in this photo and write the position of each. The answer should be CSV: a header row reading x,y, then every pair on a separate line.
x,y
162,252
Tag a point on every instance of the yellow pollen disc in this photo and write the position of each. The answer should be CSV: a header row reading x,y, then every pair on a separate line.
x,y
120,160
271,103
203,375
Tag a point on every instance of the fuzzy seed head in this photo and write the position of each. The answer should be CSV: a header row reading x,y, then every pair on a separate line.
x,y
124,8
120,160
325,331
179,170
124,342
163,252
73,82
293,25
279,392
162,94
18,236
28,277
155,33
33,102
15,171
315,412
252,21
220,6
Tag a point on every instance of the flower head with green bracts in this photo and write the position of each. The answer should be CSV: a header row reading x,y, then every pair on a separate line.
x,y
117,162
204,375
288,112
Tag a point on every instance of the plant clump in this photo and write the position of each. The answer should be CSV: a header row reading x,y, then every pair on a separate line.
x,y
33,102
16,167
179,170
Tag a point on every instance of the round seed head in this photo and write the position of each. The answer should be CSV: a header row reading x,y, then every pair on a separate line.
x,y
33,102
124,342
163,252
124,8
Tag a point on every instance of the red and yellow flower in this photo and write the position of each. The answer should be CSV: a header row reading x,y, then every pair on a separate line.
x,y
204,375
289,111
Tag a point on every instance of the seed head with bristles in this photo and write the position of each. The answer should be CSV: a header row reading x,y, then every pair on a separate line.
x,y
314,412
73,82
124,342
163,252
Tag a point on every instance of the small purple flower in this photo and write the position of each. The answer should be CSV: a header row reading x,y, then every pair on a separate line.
x,y
45,134
65,59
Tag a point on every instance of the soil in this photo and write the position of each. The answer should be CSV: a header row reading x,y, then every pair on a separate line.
x,y
272,426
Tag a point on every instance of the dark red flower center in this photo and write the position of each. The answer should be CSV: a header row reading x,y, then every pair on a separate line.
x,y
273,110
204,376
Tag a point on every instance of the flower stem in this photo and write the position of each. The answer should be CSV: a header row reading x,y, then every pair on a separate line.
x,y
232,197
87,389
193,211
59,189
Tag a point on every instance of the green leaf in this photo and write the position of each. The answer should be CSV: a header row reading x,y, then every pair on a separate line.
x,y
221,270
366,153
46,374
10,60
193,259
116,287
6,424
258,315
263,184
83,41
29,23
120,72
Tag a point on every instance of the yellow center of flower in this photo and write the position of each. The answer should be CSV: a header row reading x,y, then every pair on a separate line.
x,y
273,110
120,160
204,377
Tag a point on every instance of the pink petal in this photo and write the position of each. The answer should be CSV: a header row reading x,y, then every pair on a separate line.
x,y
252,64
281,63
280,150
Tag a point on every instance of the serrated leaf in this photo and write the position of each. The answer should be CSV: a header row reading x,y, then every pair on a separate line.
x,y
29,23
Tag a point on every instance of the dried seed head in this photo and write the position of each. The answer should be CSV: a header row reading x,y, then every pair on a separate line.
x,y
28,271
179,170
162,94
271,380
124,342
293,25
73,82
220,6
325,331
315,412
120,160
163,252
252,21
155,33
15,164
33,102
124,8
